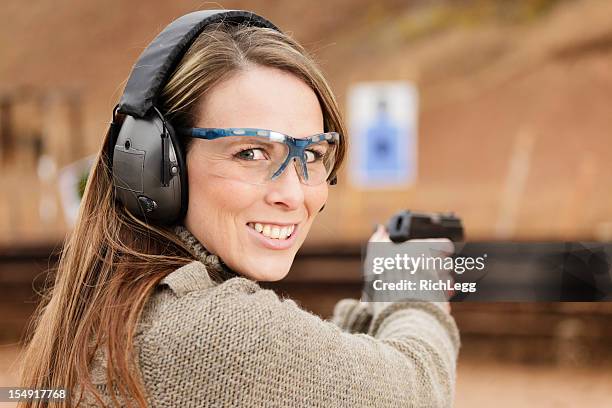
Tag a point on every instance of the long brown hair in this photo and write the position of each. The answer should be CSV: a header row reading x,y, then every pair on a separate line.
x,y
112,261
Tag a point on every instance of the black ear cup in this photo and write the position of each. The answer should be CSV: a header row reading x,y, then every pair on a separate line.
x,y
138,166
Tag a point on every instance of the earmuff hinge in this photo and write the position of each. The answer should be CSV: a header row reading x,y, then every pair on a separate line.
x,y
112,137
165,175
165,145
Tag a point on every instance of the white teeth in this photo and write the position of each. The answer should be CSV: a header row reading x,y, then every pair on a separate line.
x,y
273,231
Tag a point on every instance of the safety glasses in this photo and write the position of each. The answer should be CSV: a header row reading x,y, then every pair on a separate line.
x,y
257,156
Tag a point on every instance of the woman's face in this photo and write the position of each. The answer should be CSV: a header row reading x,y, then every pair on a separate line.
x,y
223,212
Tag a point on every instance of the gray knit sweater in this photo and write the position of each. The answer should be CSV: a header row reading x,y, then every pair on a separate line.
x,y
210,338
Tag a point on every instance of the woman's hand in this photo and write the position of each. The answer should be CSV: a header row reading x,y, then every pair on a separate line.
x,y
441,247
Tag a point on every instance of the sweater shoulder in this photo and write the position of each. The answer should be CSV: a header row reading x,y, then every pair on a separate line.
x,y
187,292
194,277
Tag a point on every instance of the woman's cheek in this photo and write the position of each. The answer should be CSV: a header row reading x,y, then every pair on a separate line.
x,y
316,199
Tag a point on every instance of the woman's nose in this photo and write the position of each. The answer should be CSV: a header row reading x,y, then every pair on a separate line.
x,y
286,190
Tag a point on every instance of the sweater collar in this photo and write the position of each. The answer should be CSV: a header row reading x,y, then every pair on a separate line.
x,y
216,268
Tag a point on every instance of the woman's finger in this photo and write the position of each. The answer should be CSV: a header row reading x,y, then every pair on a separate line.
x,y
380,235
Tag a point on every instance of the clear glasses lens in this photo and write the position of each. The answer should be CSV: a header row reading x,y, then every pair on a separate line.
x,y
320,159
258,160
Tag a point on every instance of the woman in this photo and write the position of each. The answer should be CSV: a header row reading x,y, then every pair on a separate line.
x,y
163,316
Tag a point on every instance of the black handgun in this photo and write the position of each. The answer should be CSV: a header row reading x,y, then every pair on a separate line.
x,y
407,225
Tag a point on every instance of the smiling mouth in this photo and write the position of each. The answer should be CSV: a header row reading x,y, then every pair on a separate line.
x,y
280,232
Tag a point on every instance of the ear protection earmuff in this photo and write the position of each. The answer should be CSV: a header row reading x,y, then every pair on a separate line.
x,y
146,157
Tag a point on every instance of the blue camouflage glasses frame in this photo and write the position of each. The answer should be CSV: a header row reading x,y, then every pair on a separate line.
x,y
294,149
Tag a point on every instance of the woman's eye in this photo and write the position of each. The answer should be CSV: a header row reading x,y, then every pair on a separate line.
x,y
312,156
251,154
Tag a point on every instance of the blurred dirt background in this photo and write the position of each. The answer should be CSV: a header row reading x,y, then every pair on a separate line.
x,y
498,80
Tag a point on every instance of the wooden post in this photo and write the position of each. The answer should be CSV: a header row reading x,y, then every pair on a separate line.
x,y
75,125
7,143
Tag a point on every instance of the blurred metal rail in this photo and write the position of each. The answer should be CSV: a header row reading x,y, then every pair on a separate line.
x,y
563,333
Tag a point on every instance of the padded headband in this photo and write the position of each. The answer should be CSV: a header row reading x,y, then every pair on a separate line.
x,y
160,58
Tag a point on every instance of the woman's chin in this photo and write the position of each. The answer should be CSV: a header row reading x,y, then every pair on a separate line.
x,y
267,270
